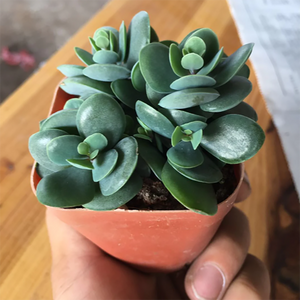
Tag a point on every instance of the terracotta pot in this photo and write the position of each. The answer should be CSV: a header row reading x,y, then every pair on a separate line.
x,y
151,240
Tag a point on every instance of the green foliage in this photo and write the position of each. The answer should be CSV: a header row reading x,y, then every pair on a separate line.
x,y
145,108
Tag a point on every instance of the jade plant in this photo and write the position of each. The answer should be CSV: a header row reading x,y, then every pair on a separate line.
x,y
143,107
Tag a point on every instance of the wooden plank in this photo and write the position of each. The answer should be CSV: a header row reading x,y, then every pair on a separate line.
x,y
25,254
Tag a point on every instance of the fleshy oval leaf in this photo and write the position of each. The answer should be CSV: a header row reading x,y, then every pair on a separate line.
x,y
38,147
192,81
85,56
154,119
126,93
71,70
192,61
63,119
101,113
81,163
233,139
175,56
81,85
62,148
231,94
66,188
127,160
106,72
207,172
154,159
104,164
212,64
105,57
73,103
119,198
183,155
231,65
198,197
195,45
188,98
137,78
156,68
138,36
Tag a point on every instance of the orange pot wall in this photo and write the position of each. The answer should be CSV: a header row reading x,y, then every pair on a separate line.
x,y
153,240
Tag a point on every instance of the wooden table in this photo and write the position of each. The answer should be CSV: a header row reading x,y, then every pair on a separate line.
x,y
272,208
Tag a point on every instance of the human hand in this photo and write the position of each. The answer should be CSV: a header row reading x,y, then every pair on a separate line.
x,y
224,270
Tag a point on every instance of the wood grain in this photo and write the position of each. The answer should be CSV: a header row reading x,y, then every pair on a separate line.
x,y
25,254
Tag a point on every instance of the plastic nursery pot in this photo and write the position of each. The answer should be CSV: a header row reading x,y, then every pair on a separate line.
x,y
151,240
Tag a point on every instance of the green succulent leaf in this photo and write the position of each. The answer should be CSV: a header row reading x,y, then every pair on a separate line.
x,y
126,93
142,168
83,148
153,36
81,163
198,197
243,109
104,164
207,172
127,160
66,188
196,139
188,98
102,42
153,96
182,43
121,197
96,141
156,68
62,148
147,129
233,139
211,41
42,171
84,56
105,57
231,65
243,71
192,61
137,78
175,56
81,85
106,72
95,48
195,45
183,155
73,103
101,113
158,142
71,70
139,36
180,117
38,147
212,64
113,42
142,136
193,126
152,156
94,154
63,120
154,119
176,136
231,94
122,41
192,81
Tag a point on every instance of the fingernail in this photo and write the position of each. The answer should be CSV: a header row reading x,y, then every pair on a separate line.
x,y
208,282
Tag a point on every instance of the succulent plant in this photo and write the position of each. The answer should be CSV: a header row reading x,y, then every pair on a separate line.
x,y
147,107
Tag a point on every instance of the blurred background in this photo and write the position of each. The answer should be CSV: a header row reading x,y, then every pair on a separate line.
x,y
32,30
